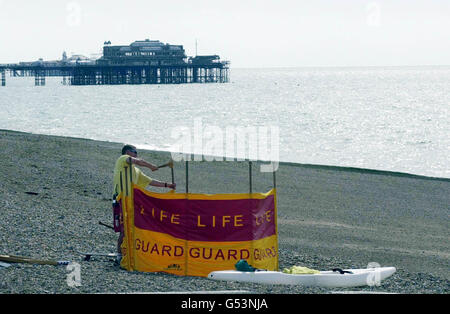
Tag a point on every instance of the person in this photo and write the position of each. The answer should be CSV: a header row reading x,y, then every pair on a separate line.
x,y
130,156
121,172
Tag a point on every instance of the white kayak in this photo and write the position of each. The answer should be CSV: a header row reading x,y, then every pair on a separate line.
x,y
328,279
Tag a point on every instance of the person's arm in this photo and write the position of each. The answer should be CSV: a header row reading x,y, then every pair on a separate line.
x,y
143,163
163,184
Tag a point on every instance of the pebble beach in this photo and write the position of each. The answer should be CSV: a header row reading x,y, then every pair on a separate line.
x,y
55,190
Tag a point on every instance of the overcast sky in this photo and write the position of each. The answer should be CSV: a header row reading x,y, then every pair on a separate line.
x,y
249,33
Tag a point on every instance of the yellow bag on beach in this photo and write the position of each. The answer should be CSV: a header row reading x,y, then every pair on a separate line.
x,y
300,270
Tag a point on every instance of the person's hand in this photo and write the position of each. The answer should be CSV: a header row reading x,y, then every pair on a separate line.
x,y
154,168
172,186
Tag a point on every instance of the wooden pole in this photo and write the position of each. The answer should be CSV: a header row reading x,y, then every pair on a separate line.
x,y
187,177
173,175
274,179
250,176
126,181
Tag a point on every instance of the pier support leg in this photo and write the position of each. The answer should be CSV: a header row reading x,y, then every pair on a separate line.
x,y
195,75
39,78
3,78
39,81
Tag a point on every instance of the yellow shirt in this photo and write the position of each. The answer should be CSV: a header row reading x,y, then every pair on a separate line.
x,y
122,165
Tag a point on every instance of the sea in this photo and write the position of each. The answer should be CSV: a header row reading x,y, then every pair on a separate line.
x,y
381,118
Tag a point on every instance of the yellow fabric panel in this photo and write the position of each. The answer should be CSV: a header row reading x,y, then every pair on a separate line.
x,y
127,261
160,252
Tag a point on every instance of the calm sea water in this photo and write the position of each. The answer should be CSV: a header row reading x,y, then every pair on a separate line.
x,y
395,119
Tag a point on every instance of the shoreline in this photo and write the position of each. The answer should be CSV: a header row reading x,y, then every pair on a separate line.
x,y
56,189
284,163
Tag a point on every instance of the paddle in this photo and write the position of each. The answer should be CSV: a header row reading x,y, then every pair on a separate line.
x,y
105,225
28,260
168,164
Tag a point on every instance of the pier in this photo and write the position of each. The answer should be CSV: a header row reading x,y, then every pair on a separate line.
x,y
142,62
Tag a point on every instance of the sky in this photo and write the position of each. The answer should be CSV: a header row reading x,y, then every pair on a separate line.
x,y
249,33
